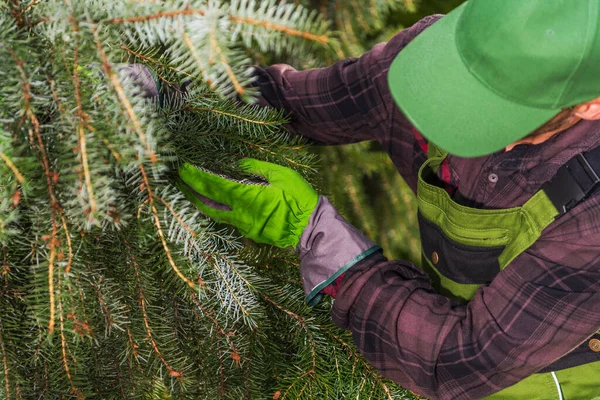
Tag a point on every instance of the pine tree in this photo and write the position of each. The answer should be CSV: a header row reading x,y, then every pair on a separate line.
x,y
111,284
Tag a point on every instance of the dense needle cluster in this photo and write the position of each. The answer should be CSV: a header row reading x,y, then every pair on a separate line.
x,y
111,284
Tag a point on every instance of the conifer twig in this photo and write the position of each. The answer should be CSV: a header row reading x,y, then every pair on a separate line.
x,y
31,5
122,96
83,118
50,178
64,345
154,61
236,83
304,326
107,317
177,217
357,356
5,360
162,14
299,379
172,371
360,17
159,228
12,166
322,39
232,115
190,45
253,144
69,244
231,290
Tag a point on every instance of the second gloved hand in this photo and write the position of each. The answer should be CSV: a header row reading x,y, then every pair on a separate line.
x,y
275,214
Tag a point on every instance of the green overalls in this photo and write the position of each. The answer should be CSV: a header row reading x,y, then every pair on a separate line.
x,y
452,233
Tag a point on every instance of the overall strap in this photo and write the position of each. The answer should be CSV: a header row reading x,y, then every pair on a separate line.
x,y
574,181
435,152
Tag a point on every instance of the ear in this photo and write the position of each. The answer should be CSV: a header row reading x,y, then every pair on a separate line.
x,y
589,111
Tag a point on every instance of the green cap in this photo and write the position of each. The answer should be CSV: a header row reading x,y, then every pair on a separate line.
x,y
492,71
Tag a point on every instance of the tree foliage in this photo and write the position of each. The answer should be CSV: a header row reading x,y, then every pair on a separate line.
x,y
111,284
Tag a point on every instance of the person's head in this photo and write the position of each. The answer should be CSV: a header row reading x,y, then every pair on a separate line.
x,y
566,118
495,73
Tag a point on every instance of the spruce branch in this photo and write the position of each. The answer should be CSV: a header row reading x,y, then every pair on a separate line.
x,y
172,371
82,124
305,326
161,235
13,168
122,97
88,161
199,61
64,348
5,363
51,178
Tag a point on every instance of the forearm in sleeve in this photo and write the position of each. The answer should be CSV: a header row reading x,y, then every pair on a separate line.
x,y
533,313
345,103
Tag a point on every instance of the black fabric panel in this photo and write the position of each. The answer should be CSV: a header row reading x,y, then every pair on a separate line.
x,y
581,355
459,262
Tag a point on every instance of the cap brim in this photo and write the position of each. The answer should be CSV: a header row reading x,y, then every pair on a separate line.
x,y
448,105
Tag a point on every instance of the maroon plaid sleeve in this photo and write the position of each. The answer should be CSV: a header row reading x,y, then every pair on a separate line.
x,y
542,306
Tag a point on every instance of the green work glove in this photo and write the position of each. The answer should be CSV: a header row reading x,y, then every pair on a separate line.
x,y
276,213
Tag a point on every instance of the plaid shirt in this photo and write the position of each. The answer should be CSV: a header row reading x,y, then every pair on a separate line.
x,y
543,305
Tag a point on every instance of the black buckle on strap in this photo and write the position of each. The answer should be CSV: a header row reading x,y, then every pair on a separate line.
x,y
572,183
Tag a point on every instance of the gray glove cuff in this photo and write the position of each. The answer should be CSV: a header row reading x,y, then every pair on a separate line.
x,y
142,78
328,247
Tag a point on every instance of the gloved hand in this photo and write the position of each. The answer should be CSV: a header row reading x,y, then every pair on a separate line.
x,y
275,214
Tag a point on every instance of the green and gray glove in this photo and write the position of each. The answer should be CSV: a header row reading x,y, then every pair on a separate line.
x,y
275,213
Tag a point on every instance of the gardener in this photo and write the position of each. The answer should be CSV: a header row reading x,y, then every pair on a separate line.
x,y
506,303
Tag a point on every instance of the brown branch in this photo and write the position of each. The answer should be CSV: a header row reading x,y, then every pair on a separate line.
x,y
322,39
83,118
5,359
120,92
221,374
30,5
15,8
118,369
64,348
159,229
252,121
212,318
252,145
115,153
133,346
164,14
177,217
190,45
304,326
50,178
12,166
141,206
103,307
307,373
236,83
172,371
69,244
